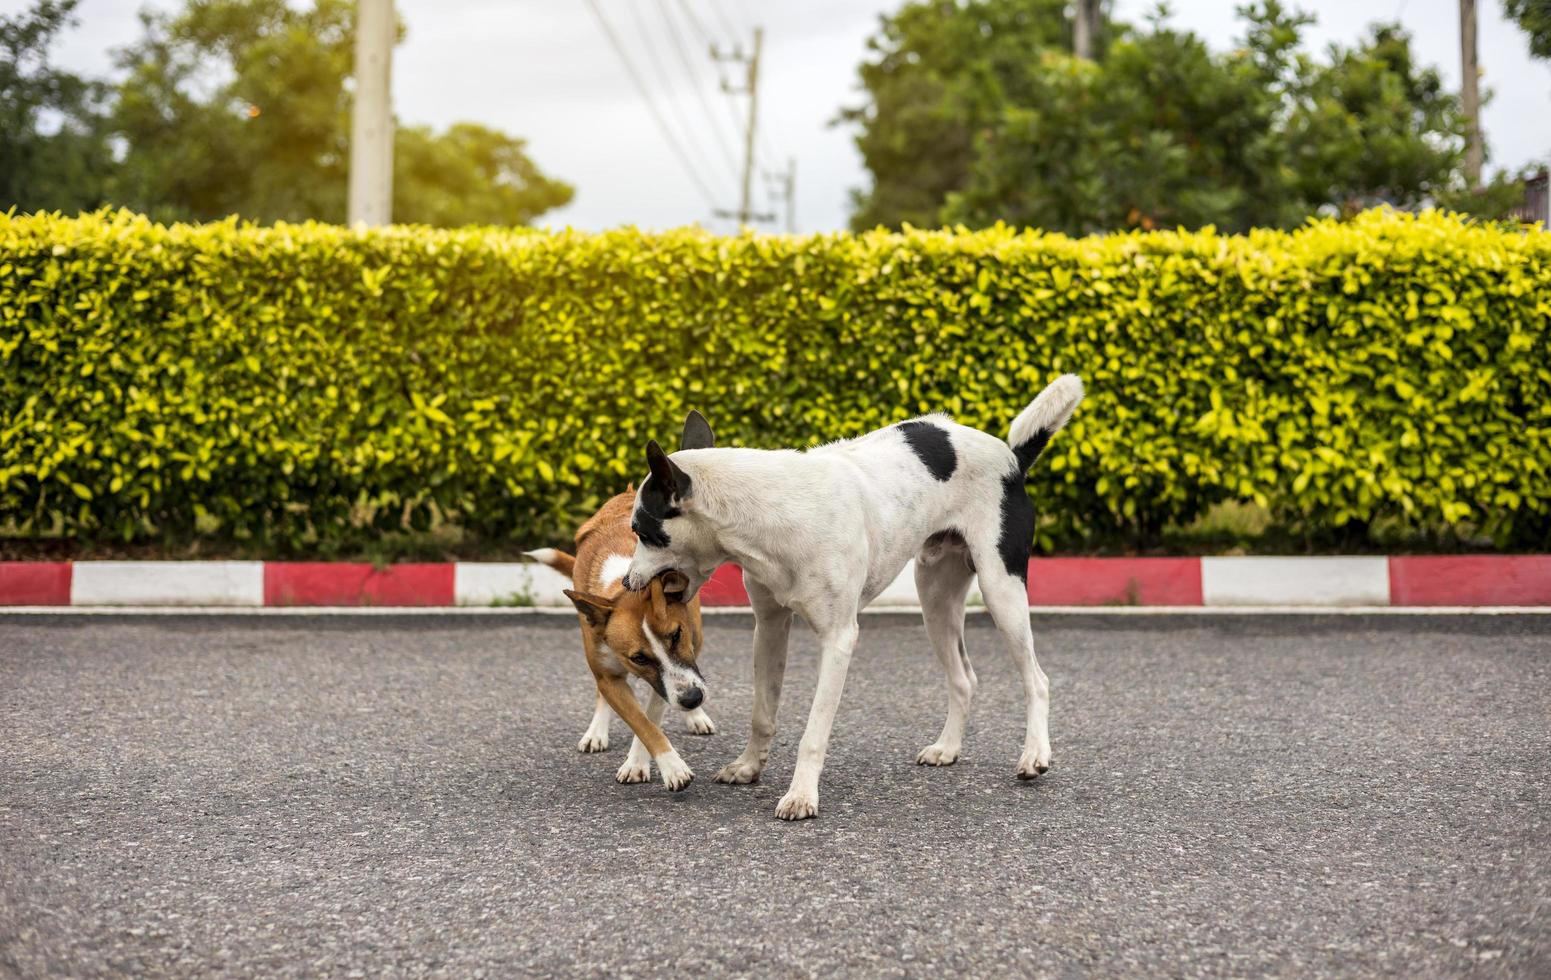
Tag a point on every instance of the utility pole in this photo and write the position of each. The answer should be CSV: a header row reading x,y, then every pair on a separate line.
x,y
745,213
783,187
791,195
371,115
1470,92
1085,28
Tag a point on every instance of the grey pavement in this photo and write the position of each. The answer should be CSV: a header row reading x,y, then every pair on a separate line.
x,y
382,796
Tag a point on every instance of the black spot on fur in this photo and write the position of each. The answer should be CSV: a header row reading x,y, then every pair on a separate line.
x,y
932,447
1017,526
1028,452
653,507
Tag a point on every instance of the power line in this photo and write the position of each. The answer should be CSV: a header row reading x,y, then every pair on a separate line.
x,y
695,23
729,103
721,17
741,15
641,89
718,136
664,78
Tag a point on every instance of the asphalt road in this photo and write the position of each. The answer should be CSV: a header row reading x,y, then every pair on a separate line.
x,y
1298,796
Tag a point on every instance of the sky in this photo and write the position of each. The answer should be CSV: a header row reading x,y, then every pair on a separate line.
x,y
545,70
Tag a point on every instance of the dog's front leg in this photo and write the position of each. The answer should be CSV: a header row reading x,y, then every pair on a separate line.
x,y
802,797
772,629
676,773
596,738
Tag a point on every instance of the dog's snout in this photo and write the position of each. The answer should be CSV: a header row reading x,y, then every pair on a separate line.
x,y
691,699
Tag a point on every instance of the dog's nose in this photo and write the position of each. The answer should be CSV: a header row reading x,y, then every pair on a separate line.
x,y
628,582
691,699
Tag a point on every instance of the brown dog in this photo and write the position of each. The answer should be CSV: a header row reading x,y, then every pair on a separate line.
x,y
652,634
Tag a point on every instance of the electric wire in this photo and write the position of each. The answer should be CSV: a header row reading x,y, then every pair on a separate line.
x,y
717,134
644,92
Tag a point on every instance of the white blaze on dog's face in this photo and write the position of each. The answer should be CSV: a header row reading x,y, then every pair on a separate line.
x,y
654,634
667,538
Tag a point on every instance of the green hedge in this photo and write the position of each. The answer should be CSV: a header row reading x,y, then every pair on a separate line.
x,y
300,387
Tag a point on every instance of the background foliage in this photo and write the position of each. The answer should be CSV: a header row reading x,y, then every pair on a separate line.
x,y
1534,18
309,388
230,107
976,112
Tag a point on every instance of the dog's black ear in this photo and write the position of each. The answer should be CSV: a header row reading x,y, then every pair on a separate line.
x,y
697,432
593,609
674,585
669,479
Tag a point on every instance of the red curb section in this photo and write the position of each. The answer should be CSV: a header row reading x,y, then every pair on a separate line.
x,y
35,583
1421,580
725,588
1115,582
301,583
1470,580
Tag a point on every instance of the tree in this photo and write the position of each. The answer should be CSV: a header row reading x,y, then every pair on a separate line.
x,y
243,107
1372,126
1159,131
468,175
54,153
941,72
1534,16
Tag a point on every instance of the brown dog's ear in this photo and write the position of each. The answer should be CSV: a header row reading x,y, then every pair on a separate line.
x,y
675,585
697,432
667,479
593,609
654,595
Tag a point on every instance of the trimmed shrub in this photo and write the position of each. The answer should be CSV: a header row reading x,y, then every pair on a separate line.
x,y
300,387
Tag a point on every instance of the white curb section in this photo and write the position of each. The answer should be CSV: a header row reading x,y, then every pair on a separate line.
x,y
901,592
167,583
488,583
1333,581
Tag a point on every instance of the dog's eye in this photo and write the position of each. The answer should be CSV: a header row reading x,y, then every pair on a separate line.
x,y
678,634
641,659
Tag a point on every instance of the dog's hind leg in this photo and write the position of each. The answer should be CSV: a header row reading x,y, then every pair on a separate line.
x,y
1007,599
772,629
1001,558
942,577
596,738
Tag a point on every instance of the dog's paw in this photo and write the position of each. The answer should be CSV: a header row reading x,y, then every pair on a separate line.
x,y
634,771
1033,763
593,741
676,773
697,722
937,754
738,772
798,805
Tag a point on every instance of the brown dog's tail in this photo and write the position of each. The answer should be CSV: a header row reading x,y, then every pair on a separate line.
x,y
558,560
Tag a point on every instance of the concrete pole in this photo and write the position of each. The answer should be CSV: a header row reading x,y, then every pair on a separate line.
x,y
371,117
1470,92
745,203
791,195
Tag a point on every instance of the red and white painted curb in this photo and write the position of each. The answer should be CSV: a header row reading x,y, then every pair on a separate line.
x,y
1409,581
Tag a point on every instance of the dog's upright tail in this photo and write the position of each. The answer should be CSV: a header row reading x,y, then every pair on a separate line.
x,y
558,560
1032,429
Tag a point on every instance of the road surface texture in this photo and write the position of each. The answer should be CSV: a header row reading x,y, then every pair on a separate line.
x,y
401,795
